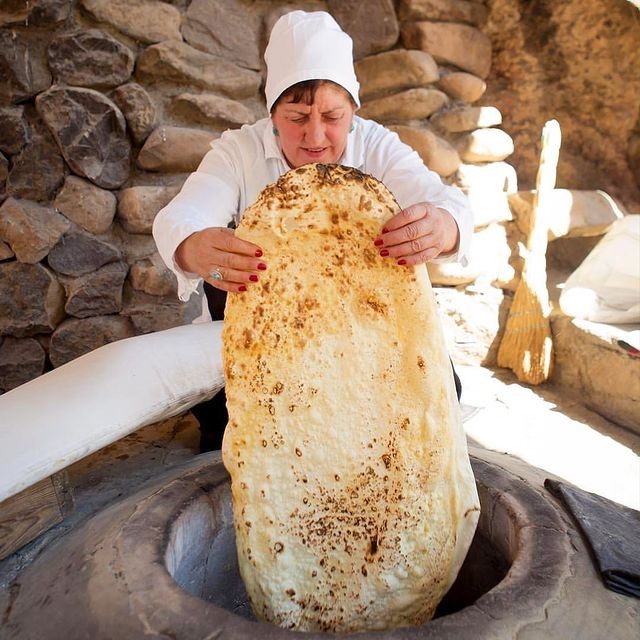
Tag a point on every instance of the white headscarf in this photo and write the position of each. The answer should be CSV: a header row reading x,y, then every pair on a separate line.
x,y
308,46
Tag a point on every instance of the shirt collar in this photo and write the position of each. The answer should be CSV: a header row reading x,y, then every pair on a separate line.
x,y
353,155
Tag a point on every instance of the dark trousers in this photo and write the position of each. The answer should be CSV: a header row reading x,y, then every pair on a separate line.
x,y
212,414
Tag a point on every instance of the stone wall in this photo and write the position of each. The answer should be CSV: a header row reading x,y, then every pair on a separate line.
x,y
107,105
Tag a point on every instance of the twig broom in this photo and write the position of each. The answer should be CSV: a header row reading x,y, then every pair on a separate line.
x,y
526,346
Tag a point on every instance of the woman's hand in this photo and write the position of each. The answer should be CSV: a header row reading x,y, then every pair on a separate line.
x,y
418,234
217,251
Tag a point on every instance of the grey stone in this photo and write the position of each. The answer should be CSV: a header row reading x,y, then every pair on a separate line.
x,y
77,336
134,246
90,58
97,293
138,109
143,20
23,69
436,153
31,299
178,62
34,13
466,118
21,360
79,253
484,145
89,206
393,71
6,252
174,149
90,131
38,170
451,43
151,313
461,85
138,206
229,29
210,109
412,104
14,132
372,25
152,276
466,11
31,230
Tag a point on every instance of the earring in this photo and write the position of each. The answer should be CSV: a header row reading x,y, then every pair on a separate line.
x,y
275,131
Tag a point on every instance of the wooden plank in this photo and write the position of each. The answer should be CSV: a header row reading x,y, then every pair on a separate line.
x,y
570,213
26,515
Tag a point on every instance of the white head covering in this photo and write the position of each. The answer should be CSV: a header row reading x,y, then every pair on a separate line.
x,y
308,46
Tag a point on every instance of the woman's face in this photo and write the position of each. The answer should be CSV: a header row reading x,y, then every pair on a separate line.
x,y
316,132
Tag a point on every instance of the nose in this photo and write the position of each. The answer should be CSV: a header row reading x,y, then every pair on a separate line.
x,y
314,133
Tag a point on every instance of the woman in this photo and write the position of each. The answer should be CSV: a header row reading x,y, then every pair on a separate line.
x,y
312,97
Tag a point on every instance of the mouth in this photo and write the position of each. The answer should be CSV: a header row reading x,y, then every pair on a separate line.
x,y
315,152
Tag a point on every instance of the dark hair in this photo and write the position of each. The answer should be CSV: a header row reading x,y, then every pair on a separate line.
x,y
305,91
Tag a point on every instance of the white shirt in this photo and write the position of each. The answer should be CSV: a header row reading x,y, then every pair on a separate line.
x,y
244,161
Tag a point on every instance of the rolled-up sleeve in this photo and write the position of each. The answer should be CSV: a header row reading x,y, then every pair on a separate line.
x,y
401,169
209,198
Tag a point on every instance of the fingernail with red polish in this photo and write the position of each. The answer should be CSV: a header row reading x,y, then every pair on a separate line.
x,y
378,242
402,261
258,254
242,288
253,277
262,266
384,252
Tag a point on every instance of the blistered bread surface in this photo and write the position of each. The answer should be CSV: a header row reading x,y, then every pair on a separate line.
x,y
354,501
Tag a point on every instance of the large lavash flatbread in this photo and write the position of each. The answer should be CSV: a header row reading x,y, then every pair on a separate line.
x,y
354,500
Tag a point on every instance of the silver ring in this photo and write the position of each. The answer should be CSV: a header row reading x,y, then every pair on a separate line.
x,y
215,275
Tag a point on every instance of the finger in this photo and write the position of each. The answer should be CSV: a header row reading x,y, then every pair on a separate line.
x,y
404,217
226,240
427,245
232,275
416,258
223,285
236,261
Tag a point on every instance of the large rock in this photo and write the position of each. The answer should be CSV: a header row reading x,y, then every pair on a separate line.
x,y
412,104
38,170
466,118
461,85
4,171
97,293
31,299
34,13
180,63
90,131
213,110
633,153
14,129
89,206
436,153
466,11
133,246
174,149
229,29
138,109
23,68
393,71
151,313
30,230
451,43
152,276
372,25
21,360
143,20
577,60
138,206
484,145
90,58
75,336
80,253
